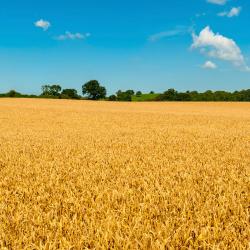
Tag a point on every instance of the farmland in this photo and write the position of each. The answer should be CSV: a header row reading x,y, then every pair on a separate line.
x,y
92,175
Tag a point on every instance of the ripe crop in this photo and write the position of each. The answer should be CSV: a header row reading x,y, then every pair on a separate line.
x,y
104,175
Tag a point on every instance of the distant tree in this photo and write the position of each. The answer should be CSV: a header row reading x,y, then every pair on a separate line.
x,y
45,90
13,93
138,93
51,90
94,90
55,90
238,96
119,95
130,92
183,97
247,95
69,94
194,96
222,96
112,98
207,96
243,95
125,95
151,92
169,95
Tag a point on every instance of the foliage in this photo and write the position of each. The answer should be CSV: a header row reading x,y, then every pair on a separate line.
x,y
69,94
51,90
138,93
112,98
170,95
93,90
209,95
13,93
125,95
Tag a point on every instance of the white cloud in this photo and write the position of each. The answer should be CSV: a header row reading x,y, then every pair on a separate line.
x,y
218,46
179,30
42,24
235,11
219,2
72,36
209,65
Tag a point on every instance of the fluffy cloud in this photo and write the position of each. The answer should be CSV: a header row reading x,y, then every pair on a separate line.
x,y
42,24
70,36
219,2
209,65
235,11
218,46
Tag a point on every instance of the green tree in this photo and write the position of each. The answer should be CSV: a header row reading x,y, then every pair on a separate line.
x,y
55,90
183,97
13,93
138,93
69,94
51,90
45,90
125,95
93,90
169,95
130,92
112,98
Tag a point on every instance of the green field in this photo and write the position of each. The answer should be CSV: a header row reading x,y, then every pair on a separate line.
x,y
144,97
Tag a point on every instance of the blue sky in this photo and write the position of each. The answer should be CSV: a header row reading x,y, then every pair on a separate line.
x,y
141,45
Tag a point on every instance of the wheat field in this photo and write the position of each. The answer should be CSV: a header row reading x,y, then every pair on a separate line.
x,y
103,175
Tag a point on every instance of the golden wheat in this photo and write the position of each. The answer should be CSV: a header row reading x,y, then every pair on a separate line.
x,y
102,175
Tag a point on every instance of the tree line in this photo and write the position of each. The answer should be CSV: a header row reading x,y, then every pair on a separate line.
x,y
93,90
